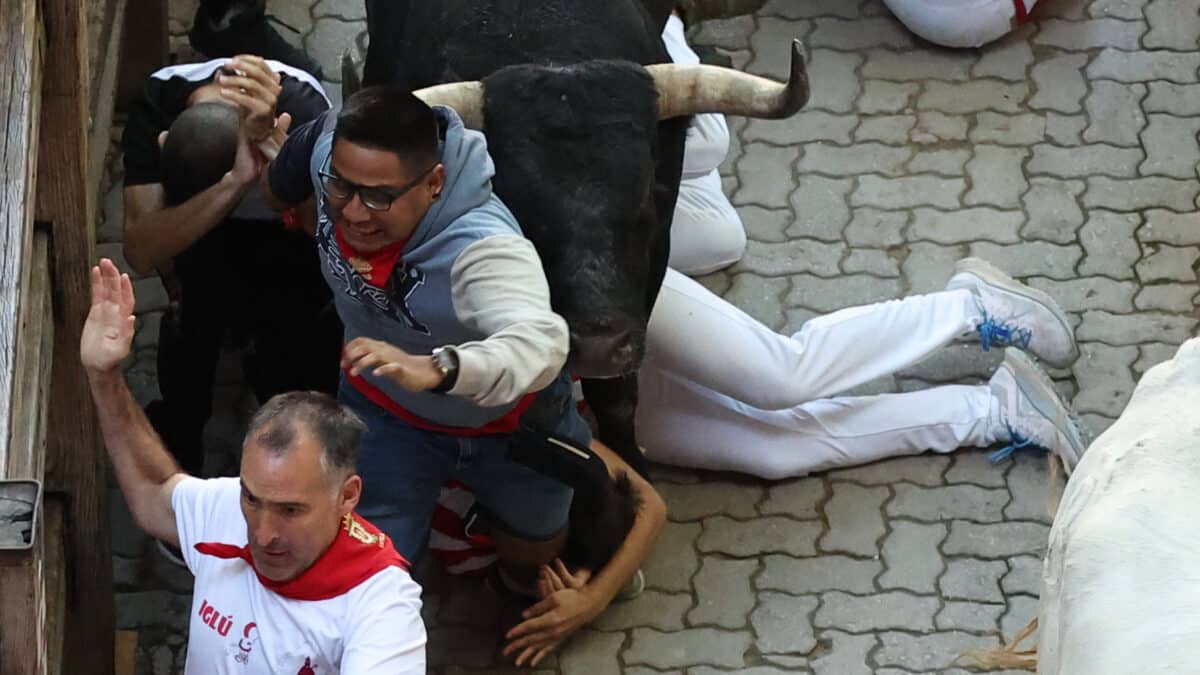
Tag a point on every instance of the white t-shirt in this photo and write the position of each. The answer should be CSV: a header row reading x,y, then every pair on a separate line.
x,y
355,611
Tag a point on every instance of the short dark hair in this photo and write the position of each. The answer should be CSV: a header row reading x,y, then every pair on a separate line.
x,y
201,147
391,119
339,431
595,534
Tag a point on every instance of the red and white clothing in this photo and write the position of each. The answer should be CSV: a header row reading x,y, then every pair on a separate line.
x,y
356,610
452,538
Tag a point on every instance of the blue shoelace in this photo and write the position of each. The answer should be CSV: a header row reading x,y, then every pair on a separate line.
x,y
1000,334
1016,442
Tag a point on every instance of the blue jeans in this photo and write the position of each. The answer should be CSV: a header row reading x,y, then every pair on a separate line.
x,y
404,468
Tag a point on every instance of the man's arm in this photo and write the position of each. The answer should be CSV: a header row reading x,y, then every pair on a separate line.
x,y
145,470
155,233
499,289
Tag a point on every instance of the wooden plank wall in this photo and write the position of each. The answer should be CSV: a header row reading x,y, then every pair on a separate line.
x,y
30,589
20,97
75,465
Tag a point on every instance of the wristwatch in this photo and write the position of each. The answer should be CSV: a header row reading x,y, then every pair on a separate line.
x,y
445,359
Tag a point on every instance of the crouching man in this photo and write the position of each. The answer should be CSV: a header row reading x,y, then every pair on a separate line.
x,y
288,578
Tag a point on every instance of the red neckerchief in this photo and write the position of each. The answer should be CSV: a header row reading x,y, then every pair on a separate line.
x,y
375,267
1022,14
357,553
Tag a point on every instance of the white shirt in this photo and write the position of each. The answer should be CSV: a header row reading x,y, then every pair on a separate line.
x,y
363,615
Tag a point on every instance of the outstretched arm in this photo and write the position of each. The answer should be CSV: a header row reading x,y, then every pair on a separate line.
x,y
145,470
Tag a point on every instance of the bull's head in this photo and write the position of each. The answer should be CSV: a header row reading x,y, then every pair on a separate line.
x,y
588,159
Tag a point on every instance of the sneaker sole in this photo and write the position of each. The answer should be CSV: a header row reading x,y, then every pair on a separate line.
x,y
1037,386
994,276
632,588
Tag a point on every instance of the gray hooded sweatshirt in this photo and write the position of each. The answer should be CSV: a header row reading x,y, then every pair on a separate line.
x,y
467,279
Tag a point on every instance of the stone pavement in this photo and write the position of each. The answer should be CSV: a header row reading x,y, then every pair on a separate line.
x,y
1066,153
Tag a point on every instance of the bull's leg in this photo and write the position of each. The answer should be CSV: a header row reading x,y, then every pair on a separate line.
x,y
614,402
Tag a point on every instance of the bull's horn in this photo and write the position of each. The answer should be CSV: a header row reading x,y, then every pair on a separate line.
x,y
691,90
465,97
351,73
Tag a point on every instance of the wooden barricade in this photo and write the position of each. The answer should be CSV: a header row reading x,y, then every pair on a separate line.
x,y
59,74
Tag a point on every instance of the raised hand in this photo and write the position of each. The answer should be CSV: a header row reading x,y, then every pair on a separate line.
x,y
254,87
108,330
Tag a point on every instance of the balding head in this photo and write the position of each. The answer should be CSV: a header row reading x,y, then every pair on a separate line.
x,y
200,148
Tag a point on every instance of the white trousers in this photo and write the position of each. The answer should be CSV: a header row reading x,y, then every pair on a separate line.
x,y
706,233
719,390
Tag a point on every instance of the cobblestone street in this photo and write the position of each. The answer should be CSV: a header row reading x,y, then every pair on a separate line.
x,y
1066,154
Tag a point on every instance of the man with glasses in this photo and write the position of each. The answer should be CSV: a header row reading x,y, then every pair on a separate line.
x,y
451,344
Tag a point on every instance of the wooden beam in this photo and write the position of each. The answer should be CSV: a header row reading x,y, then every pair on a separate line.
x,y
55,566
75,463
20,107
104,18
126,652
32,571
106,37
147,19
22,611
31,390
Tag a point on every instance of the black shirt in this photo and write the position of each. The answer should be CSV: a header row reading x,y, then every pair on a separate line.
x,y
166,95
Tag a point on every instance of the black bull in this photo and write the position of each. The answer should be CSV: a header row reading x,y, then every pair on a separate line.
x,y
588,147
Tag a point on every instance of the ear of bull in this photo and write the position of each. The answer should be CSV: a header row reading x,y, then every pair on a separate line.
x,y
465,97
692,90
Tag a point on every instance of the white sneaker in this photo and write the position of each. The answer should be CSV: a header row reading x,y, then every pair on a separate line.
x,y
1015,315
1033,412
632,588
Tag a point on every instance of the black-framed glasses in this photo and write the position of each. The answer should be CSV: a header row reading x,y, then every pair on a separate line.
x,y
374,197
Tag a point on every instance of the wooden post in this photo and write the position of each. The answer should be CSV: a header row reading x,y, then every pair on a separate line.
x,y
147,47
20,105
75,457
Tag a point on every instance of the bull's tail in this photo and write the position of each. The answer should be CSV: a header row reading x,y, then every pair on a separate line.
x,y
1009,655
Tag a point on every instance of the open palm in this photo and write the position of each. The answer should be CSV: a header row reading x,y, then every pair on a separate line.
x,y
108,330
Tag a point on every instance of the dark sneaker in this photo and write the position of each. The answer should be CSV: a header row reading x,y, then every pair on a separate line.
x,y
245,28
